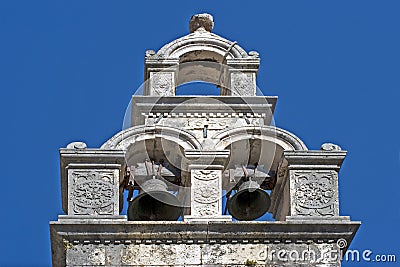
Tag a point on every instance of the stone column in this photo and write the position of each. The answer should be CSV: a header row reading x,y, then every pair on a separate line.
x,y
205,169
90,180
308,189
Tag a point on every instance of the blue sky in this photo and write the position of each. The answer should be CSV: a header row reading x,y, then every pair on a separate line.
x,y
69,68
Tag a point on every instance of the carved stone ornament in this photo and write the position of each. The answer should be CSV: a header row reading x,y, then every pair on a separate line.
x,y
205,175
206,209
314,193
93,192
242,83
254,54
213,124
77,145
161,83
201,21
330,147
207,193
150,53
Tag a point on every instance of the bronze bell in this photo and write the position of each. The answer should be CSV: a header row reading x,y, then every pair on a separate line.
x,y
249,203
154,203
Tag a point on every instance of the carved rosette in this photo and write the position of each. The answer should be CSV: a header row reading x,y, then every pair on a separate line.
x,y
206,192
93,192
242,84
162,83
315,193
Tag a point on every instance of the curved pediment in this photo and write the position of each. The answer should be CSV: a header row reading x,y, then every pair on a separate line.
x,y
197,43
201,56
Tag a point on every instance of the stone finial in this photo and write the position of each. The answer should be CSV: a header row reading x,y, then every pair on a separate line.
x,y
330,147
150,53
77,145
254,54
198,21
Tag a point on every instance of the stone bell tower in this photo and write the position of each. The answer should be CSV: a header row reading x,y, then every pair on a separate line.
x,y
201,174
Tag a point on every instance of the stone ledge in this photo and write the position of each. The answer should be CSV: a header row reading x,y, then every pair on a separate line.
x,y
113,243
292,231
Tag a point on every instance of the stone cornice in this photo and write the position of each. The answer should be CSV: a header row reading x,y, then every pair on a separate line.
x,y
98,231
312,159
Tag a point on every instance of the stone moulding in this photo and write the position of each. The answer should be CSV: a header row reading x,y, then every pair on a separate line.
x,y
205,46
283,138
127,137
205,40
201,106
79,240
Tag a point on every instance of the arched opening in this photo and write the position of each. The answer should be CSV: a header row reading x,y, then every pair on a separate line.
x,y
198,88
201,56
251,160
158,161
200,65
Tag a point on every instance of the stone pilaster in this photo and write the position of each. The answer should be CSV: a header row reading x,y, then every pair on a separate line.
x,y
90,181
205,169
160,76
310,189
242,76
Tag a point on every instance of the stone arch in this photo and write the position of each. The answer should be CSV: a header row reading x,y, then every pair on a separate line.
x,y
127,137
202,41
202,56
285,139
263,145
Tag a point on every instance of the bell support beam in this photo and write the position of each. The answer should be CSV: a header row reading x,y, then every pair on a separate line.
x,y
205,168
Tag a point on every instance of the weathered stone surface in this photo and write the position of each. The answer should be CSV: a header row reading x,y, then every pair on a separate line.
x,y
243,83
201,55
93,191
206,185
330,147
90,181
314,193
205,21
200,146
307,185
202,254
162,83
101,243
